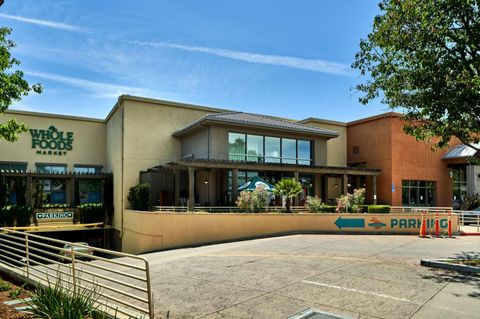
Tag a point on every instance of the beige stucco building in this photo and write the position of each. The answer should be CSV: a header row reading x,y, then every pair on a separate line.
x,y
191,155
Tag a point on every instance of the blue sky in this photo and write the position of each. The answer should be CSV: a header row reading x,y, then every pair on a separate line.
x,y
284,58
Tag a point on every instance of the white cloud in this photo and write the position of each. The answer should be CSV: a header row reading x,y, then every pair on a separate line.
x,y
98,88
286,61
45,23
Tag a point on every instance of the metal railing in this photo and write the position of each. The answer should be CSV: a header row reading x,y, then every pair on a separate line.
x,y
119,281
469,218
224,209
411,209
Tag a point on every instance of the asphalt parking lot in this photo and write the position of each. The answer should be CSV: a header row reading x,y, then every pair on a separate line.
x,y
354,276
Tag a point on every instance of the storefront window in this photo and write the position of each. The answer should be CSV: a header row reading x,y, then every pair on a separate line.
x,y
13,167
87,169
90,191
47,168
459,184
418,193
272,149
54,191
254,148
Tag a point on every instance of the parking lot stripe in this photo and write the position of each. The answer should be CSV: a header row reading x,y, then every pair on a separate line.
x,y
357,291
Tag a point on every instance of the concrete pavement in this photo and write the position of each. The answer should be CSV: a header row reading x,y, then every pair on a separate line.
x,y
350,275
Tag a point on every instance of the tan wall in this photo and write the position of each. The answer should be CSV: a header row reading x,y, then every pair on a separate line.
x,y
148,141
88,144
150,231
115,162
336,147
196,143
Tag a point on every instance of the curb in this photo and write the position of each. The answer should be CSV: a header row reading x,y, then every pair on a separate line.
x,y
443,264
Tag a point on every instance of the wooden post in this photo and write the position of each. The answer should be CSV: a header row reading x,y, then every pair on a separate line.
x,y
345,184
191,189
374,187
296,200
177,187
72,191
28,191
234,185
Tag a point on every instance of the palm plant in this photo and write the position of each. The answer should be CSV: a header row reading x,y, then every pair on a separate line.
x,y
289,188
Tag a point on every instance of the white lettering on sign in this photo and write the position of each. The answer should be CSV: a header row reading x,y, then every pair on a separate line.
x,y
60,215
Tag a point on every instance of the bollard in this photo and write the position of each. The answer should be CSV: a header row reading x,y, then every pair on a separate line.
x,y
423,227
437,225
450,225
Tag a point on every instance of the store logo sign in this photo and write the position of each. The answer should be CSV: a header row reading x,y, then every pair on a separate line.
x,y
51,141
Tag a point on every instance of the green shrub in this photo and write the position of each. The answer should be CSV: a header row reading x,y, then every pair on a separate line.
x,y
313,204
253,201
379,209
55,206
327,209
139,196
5,286
23,215
60,301
91,213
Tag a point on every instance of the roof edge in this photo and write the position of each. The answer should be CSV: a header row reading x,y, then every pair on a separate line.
x,y
321,120
205,119
375,117
59,116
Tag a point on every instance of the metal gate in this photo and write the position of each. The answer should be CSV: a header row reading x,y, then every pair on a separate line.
x,y
120,281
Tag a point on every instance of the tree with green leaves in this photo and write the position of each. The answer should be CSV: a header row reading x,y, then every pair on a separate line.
x,y
289,188
12,87
423,58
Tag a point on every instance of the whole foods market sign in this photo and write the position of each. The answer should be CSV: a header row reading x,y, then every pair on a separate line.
x,y
51,141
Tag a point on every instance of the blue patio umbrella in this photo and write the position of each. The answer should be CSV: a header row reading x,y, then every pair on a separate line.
x,y
254,183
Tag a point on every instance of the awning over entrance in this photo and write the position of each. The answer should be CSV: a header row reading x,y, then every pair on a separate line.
x,y
460,151
254,183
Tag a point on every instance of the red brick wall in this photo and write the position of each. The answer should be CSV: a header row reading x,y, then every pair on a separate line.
x,y
384,145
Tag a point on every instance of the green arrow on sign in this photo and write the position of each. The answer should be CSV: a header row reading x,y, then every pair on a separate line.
x,y
350,222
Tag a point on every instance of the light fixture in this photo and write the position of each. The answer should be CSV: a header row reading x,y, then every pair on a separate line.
x,y
206,181
335,185
450,172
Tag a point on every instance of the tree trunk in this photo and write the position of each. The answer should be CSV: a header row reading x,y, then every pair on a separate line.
x,y
287,205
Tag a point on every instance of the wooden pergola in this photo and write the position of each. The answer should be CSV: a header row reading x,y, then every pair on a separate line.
x,y
234,166
71,177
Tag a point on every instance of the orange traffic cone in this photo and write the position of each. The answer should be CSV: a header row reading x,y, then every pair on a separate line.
x,y
423,227
449,224
437,226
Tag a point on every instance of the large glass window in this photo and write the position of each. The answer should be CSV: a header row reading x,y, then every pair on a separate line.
x,y
418,193
54,191
90,191
272,149
254,148
304,152
236,146
289,151
269,149
13,166
47,168
459,184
